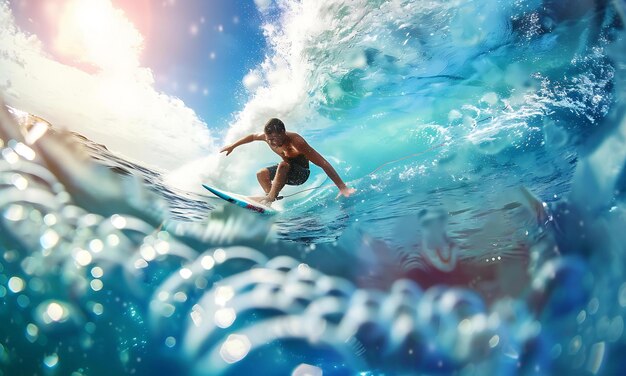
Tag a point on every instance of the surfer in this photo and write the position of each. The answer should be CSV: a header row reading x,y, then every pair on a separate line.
x,y
294,168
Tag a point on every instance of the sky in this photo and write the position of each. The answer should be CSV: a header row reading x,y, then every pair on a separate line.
x,y
198,50
168,83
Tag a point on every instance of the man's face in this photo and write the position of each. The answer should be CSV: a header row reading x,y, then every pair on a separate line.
x,y
275,139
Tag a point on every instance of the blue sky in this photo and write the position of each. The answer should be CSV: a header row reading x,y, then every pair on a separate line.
x,y
198,50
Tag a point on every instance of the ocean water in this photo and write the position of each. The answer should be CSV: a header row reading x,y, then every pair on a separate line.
x,y
486,140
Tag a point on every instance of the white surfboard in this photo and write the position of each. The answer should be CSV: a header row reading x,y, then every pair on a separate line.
x,y
240,200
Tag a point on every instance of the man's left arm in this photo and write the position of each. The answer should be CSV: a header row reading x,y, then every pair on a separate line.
x,y
317,159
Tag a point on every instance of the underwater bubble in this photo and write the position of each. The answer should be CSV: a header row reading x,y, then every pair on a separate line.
x,y
207,262
596,357
16,284
3,291
196,315
219,255
118,221
19,182
235,348
493,341
54,315
83,257
163,296
147,252
55,312
49,239
98,309
201,283
185,273
306,370
170,342
96,245
180,297
32,332
225,317
10,256
575,344
223,294
167,310
97,272
50,219
51,361
96,285
15,213
304,270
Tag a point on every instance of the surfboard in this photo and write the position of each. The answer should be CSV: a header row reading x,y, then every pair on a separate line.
x,y
240,200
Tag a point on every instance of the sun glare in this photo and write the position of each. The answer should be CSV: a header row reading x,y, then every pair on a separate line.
x,y
94,32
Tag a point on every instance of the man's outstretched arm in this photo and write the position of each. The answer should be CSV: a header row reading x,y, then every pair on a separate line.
x,y
316,158
245,140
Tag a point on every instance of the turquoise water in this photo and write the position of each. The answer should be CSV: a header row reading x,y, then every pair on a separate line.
x,y
495,247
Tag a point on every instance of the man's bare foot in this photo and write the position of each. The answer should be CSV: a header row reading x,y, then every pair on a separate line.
x,y
263,200
266,201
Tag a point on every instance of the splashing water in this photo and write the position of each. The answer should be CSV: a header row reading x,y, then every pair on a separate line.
x,y
500,252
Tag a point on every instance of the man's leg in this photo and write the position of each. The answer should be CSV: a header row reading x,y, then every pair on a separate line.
x,y
263,176
279,180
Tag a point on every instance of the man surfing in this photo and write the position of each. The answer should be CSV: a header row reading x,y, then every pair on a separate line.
x,y
294,168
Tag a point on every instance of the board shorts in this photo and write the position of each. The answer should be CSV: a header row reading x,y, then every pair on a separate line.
x,y
297,174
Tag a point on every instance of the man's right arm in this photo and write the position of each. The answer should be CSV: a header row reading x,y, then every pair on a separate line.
x,y
245,140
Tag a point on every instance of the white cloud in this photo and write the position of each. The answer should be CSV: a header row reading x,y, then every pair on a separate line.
x,y
117,106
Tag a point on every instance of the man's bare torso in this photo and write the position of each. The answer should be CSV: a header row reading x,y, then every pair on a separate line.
x,y
287,150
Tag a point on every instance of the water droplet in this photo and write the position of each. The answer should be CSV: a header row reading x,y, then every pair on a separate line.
x,y
49,239
493,341
219,255
225,317
185,273
16,284
223,294
97,272
170,342
51,361
207,262
118,221
83,257
235,348
32,332
98,309
307,370
96,245
96,285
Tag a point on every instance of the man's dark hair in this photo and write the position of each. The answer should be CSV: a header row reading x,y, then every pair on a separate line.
x,y
274,126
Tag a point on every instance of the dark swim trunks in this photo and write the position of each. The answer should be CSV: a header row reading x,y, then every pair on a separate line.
x,y
298,171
